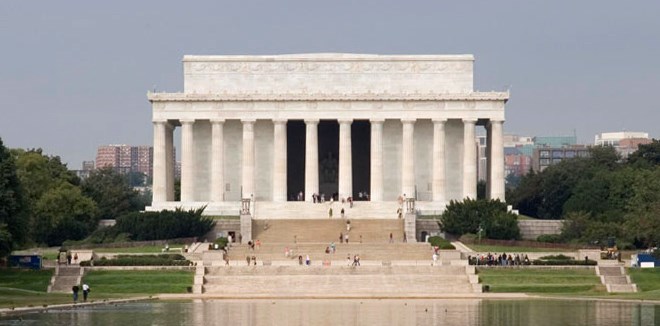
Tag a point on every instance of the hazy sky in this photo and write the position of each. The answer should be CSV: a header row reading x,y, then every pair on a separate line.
x,y
74,74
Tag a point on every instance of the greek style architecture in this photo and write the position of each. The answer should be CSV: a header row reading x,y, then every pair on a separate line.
x,y
269,135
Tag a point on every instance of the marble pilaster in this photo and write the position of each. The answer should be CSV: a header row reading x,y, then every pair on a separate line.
x,y
159,183
279,161
187,161
311,158
377,159
496,160
438,182
247,177
345,159
217,160
469,159
408,158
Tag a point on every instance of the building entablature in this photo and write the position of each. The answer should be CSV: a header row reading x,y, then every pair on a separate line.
x,y
336,97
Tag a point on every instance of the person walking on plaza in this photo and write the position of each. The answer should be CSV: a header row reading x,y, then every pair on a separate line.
x,y
391,238
86,290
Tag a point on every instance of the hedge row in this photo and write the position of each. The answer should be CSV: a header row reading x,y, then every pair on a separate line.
x,y
141,260
440,243
564,262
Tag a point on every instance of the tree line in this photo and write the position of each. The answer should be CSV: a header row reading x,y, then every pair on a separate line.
x,y
43,203
600,197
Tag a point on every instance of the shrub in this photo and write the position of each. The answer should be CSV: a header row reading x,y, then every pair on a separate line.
x,y
549,238
164,225
141,260
556,257
440,243
487,216
221,242
539,262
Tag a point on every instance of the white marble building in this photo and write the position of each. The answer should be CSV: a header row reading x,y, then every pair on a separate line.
x,y
268,127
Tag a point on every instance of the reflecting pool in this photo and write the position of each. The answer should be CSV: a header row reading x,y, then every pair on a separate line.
x,y
351,312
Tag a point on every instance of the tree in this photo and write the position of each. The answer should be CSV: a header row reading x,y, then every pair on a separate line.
x,y
646,155
470,215
63,213
112,193
39,173
6,242
11,199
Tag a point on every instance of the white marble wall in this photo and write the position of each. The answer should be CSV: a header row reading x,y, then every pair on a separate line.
x,y
328,73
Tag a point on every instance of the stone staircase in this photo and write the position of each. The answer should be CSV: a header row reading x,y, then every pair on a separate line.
x,y
326,230
65,278
339,281
270,252
615,279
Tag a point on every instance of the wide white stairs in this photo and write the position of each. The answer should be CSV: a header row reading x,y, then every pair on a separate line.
x,y
387,268
65,278
615,279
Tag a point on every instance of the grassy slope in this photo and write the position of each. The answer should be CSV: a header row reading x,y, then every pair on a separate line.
x,y
540,281
27,288
139,282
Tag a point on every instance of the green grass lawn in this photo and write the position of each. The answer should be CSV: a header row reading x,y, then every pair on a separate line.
x,y
22,279
139,282
540,281
510,249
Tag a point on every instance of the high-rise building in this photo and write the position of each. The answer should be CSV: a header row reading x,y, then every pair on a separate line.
x,y
127,158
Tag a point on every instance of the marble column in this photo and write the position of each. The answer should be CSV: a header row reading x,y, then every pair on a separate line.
x,y
345,159
469,159
187,161
438,185
496,160
377,159
408,158
311,158
217,160
170,160
279,160
159,183
247,177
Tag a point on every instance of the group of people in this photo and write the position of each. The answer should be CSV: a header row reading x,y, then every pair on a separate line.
x,y
499,260
85,290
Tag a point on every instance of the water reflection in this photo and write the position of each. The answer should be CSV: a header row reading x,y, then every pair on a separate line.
x,y
353,312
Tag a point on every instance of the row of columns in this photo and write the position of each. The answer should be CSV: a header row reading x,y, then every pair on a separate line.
x,y
164,173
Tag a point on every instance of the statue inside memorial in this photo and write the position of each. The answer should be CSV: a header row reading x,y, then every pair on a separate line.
x,y
329,167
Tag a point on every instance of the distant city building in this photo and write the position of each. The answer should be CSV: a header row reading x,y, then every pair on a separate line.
x,y
126,158
511,140
555,141
625,142
516,162
546,156
88,165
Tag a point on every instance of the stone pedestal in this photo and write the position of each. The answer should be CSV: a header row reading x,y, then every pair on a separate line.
x,y
246,228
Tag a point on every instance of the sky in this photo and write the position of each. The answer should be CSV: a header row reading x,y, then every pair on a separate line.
x,y
74,74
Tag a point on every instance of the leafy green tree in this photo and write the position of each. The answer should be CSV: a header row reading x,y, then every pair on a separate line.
x,y
164,224
11,199
470,215
6,241
527,196
39,173
63,213
647,155
112,193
